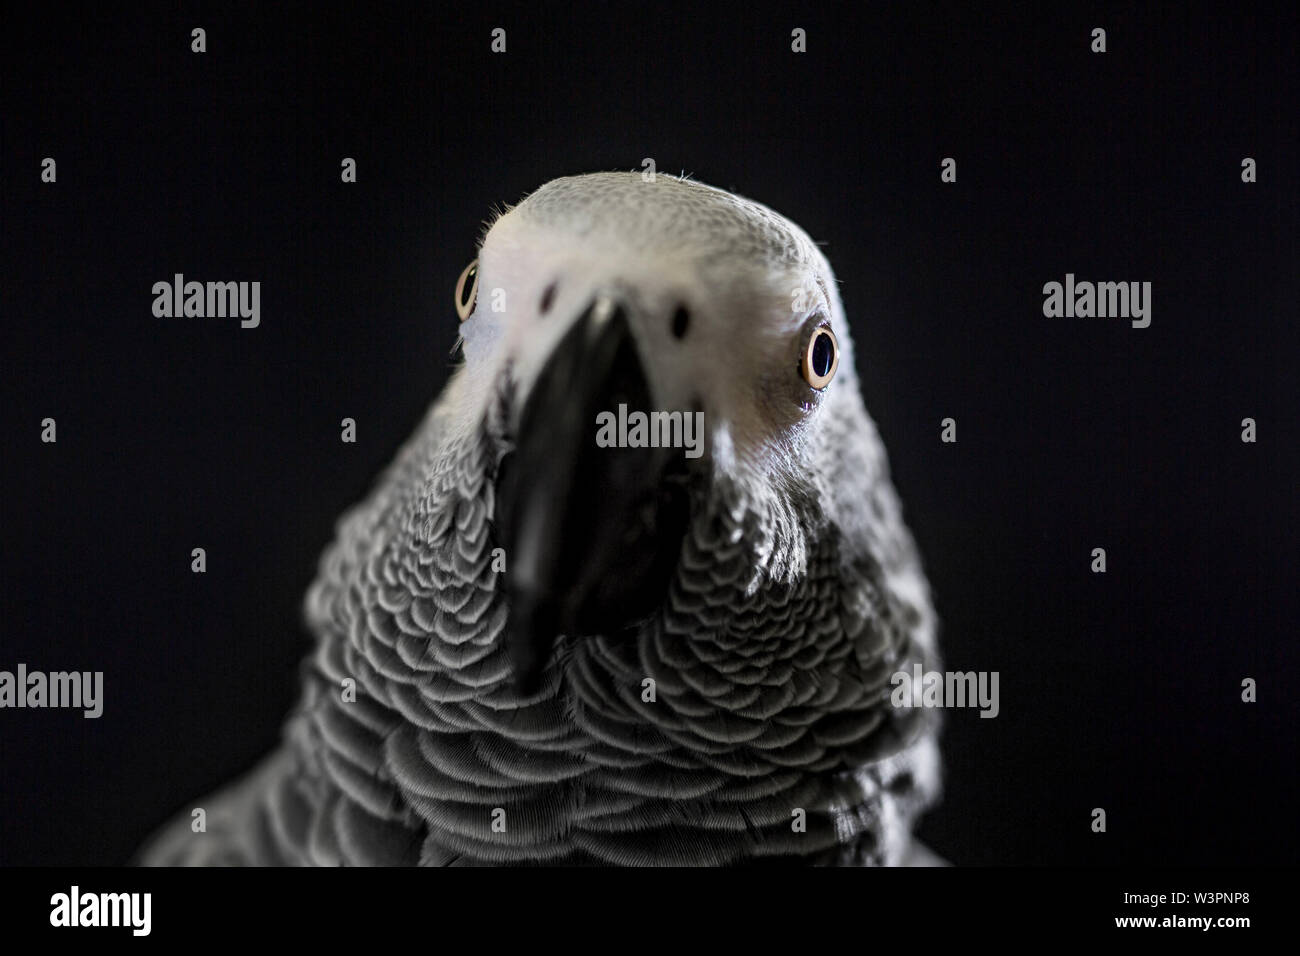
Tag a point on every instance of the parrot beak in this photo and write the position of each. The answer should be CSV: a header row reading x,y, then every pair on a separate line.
x,y
591,534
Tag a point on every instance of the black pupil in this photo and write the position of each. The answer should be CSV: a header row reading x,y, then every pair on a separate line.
x,y
823,354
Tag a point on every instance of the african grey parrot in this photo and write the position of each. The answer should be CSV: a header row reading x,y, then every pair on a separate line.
x,y
533,648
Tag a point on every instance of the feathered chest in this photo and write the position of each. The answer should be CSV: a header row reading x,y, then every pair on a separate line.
x,y
727,726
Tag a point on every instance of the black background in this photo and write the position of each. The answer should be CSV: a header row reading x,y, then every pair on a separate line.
x,y
1119,691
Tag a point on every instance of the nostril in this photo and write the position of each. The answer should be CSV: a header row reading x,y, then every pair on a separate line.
x,y
548,297
681,322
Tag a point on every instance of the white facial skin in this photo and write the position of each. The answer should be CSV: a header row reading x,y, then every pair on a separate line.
x,y
738,269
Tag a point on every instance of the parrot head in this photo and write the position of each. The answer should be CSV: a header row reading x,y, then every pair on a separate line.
x,y
660,354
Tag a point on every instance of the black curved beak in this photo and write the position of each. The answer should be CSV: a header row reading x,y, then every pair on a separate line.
x,y
591,534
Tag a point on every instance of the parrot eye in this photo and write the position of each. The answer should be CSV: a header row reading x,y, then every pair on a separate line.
x,y
467,290
821,357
